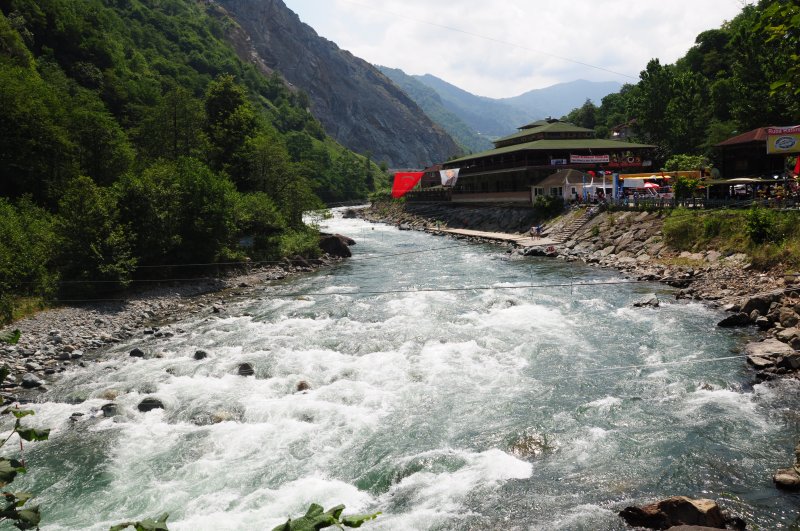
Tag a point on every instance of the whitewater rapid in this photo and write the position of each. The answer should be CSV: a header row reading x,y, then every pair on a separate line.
x,y
452,387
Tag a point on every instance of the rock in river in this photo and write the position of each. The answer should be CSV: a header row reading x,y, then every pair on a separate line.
x,y
149,404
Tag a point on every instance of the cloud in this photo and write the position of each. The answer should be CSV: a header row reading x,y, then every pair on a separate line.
x,y
502,49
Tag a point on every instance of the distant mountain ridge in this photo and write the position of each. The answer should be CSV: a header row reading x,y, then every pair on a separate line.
x,y
499,117
358,106
434,106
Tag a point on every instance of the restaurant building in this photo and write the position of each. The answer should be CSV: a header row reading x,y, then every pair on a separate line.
x,y
512,170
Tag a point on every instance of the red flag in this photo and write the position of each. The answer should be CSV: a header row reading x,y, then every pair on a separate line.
x,y
405,181
797,166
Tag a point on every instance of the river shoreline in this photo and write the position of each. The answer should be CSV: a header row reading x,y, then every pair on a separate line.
x,y
56,340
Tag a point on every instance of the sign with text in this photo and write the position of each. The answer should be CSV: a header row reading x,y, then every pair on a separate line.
x,y
589,159
782,140
558,162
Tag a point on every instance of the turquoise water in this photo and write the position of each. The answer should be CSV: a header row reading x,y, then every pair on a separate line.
x,y
547,407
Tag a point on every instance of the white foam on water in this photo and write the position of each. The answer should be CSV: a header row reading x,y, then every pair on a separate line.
x,y
605,405
443,492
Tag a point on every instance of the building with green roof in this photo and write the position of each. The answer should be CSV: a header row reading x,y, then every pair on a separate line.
x,y
510,171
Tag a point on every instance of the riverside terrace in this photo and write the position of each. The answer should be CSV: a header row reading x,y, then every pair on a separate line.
x,y
519,161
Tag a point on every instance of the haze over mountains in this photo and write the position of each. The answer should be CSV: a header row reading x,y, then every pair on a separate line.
x,y
474,120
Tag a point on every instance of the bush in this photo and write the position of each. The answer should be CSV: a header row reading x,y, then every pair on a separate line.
x,y
760,225
259,223
303,242
546,207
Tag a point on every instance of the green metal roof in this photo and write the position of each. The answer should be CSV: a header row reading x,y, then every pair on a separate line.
x,y
555,127
538,123
552,145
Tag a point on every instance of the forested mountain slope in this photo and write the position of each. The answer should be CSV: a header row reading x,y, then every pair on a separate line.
x,y
132,135
357,105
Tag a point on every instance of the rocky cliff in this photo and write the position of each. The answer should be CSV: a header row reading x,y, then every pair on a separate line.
x,y
358,106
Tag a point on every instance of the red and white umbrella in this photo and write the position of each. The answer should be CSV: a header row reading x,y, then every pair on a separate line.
x,y
651,185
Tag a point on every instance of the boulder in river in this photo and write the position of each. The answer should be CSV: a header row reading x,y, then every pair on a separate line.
x,y
31,381
137,353
737,319
675,511
149,404
763,354
787,479
303,385
245,369
200,355
110,409
650,301
336,245
761,302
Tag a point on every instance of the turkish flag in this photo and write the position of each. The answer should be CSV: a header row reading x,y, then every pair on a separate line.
x,y
797,166
405,181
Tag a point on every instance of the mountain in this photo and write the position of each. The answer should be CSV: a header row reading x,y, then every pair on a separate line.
x,y
487,116
357,105
499,117
558,100
434,107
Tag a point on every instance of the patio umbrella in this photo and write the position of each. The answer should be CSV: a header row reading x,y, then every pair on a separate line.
x,y
651,185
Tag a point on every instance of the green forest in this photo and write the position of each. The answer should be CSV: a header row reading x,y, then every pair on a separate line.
x,y
739,77
132,137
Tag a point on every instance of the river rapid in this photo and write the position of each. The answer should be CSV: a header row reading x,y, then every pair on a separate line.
x,y
546,403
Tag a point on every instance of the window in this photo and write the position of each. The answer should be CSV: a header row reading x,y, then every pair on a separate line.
x,y
537,191
557,191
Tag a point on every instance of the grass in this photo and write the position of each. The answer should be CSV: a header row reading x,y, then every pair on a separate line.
x,y
770,237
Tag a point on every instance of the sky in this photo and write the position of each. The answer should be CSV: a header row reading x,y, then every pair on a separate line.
x,y
504,48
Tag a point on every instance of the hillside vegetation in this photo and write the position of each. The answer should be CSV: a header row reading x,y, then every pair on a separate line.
x,y
736,78
131,135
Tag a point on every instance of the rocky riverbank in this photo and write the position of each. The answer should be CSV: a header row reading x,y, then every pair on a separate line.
x,y
55,340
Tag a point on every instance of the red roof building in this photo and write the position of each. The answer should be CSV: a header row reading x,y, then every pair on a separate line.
x,y
746,155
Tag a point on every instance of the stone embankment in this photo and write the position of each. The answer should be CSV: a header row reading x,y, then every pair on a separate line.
x,y
58,339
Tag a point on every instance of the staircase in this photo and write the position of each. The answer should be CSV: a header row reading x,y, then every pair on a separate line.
x,y
573,226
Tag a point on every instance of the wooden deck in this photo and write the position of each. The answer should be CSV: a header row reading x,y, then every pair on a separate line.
x,y
523,240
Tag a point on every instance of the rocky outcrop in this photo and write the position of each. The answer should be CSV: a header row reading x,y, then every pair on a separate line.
x,y
675,511
358,106
336,245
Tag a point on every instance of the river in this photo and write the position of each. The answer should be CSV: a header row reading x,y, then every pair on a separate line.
x,y
451,388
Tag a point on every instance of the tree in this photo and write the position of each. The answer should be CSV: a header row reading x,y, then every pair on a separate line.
x,y
231,120
175,127
93,249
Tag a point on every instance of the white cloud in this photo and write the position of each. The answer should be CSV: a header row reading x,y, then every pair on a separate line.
x,y
502,49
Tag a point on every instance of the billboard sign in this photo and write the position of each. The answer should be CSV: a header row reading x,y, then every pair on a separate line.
x,y
589,159
783,140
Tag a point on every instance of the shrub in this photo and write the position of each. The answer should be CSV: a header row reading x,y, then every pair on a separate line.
x,y
760,225
546,207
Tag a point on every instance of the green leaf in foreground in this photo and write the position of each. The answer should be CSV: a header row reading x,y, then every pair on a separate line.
x,y
317,518
9,468
32,434
159,524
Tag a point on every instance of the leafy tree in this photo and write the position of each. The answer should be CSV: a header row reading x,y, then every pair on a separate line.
x,y
780,21
175,128
231,122
93,247
584,116
26,254
180,211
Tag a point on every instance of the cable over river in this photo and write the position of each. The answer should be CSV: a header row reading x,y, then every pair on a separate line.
x,y
550,404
